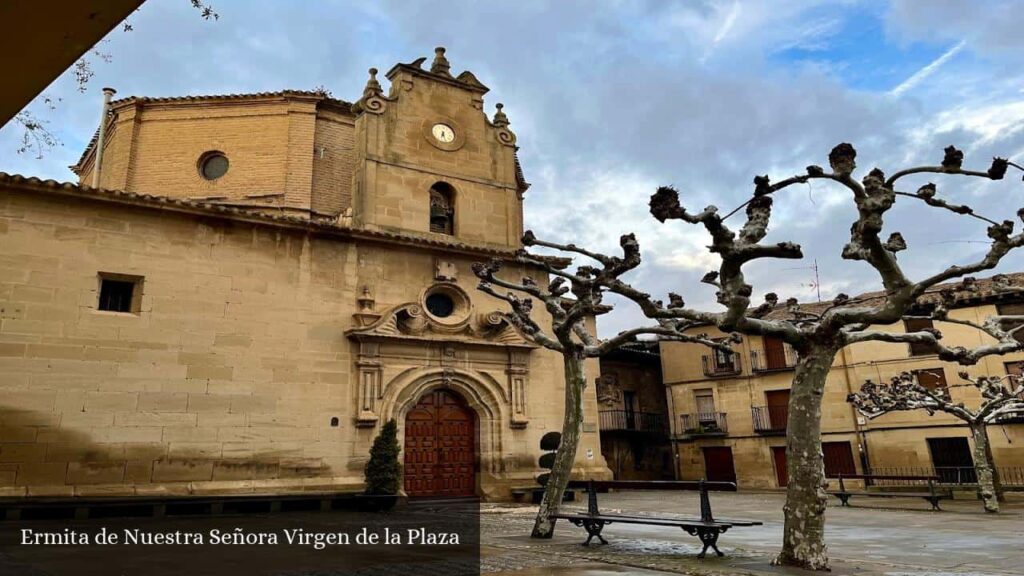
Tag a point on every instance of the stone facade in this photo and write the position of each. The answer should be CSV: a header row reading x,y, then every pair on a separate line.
x,y
282,311
746,412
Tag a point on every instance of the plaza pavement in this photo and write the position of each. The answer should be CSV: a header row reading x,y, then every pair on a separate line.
x,y
883,537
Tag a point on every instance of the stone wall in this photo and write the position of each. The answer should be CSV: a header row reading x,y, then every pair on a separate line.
x,y
228,378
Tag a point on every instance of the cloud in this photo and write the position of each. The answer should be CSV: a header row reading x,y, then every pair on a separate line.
x,y
609,104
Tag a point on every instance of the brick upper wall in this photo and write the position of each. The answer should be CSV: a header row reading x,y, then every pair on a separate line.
x,y
273,146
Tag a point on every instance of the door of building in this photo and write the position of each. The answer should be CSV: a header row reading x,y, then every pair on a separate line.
x,y
952,460
777,402
781,474
440,446
629,404
838,459
718,466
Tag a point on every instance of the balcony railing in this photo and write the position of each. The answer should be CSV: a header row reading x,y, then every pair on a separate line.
x,y
715,369
630,421
704,424
1009,476
1014,417
770,419
770,361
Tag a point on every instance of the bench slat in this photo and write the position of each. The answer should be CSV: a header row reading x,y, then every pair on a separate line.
x,y
733,521
652,522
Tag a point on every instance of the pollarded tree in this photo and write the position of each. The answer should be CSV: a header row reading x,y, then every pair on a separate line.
x,y
818,336
571,299
904,392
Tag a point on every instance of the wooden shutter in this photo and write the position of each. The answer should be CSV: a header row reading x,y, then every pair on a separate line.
x,y
1015,309
917,325
931,378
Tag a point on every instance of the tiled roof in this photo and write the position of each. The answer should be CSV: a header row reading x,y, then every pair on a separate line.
x,y
184,205
221,97
998,285
521,184
204,98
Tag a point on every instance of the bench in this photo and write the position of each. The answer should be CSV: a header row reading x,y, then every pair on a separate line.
x,y
932,495
536,493
706,528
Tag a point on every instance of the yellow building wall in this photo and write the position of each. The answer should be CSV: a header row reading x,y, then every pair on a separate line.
x,y
897,440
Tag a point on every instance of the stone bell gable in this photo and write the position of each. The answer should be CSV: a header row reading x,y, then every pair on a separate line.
x,y
422,158
430,132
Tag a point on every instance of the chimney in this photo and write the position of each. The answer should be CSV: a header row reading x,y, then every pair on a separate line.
x,y
108,93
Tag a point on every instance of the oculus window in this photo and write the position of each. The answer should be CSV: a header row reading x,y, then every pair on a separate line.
x,y
213,165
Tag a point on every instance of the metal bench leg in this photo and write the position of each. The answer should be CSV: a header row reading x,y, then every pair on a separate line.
x,y
708,537
935,503
593,528
845,499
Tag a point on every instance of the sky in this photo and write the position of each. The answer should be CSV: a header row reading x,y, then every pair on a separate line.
x,y
611,99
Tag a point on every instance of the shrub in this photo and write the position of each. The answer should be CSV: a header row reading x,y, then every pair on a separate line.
x,y
383,471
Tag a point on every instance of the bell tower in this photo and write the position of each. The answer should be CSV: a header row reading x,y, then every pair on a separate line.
x,y
429,161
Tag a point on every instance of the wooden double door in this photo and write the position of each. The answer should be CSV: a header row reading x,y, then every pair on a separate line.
x,y
440,446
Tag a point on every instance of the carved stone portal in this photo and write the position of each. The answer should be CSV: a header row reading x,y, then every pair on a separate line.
x,y
409,324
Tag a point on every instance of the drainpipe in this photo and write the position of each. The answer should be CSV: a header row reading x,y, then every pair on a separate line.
x,y
108,93
859,432
671,426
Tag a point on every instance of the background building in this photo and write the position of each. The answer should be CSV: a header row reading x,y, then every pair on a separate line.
x,y
732,408
633,414
257,282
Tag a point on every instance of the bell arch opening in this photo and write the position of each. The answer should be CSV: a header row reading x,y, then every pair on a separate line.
x,y
442,208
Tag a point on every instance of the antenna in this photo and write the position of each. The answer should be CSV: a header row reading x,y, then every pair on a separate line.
x,y
817,280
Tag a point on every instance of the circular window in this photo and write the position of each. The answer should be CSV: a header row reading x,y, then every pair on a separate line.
x,y
446,305
213,165
440,304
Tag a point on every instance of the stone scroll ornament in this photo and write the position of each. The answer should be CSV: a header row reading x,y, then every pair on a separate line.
x,y
505,136
373,101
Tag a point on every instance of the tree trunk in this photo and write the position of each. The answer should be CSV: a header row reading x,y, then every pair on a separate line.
x,y
997,482
983,468
575,380
803,540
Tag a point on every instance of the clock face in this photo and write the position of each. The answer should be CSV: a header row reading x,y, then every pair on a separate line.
x,y
443,133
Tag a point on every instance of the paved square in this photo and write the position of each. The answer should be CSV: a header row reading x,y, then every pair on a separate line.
x,y
902,538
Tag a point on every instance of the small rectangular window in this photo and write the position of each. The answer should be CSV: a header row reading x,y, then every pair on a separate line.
x,y
917,325
1014,309
120,293
931,378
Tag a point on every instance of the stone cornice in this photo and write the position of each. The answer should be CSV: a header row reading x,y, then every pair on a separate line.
x,y
325,228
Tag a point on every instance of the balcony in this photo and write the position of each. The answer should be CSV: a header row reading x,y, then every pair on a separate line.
x,y
704,424
1015,416
715,367
770,420
772,360
630,421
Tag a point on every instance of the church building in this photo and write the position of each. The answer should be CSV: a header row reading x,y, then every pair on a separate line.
x,y
242,288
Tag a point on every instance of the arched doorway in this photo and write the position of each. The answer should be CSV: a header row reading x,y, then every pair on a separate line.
x,y
440,446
